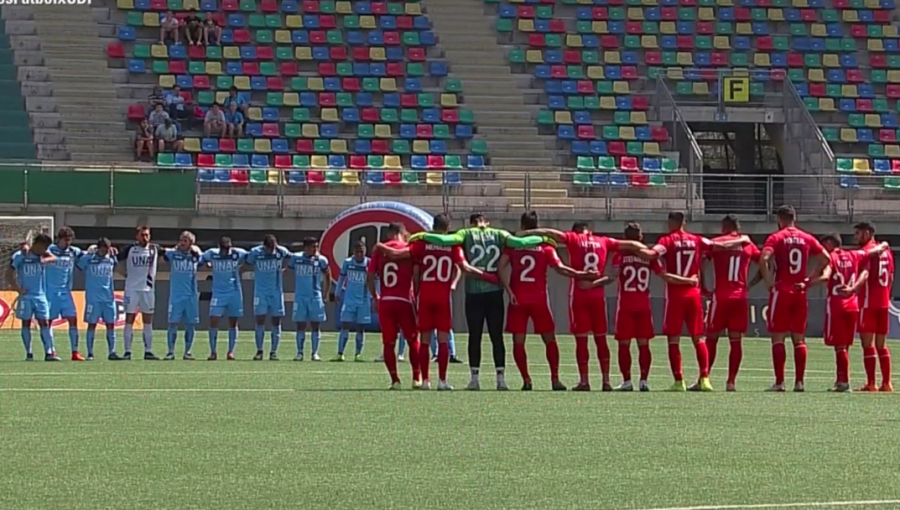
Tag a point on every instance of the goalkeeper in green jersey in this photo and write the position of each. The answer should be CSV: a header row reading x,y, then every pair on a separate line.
x,y
483,246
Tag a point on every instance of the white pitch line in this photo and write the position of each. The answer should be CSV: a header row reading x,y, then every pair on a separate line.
x,y
820,504
143,390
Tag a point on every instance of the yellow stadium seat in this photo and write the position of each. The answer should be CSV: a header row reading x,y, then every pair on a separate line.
x,y
650,3
387,84
816,75
166,81
231,52
303,53
875,45
621,87
706,14
291,99
675,73
351,177
722,42
724,3
607,103
449,101
191,5
599,27
627,133
849,91
761,60
318,162
343,8
873,120
743,29
873,4
573,41
151,19
329,115
534,56
159,51
685,59
262,145
377,53
316,84
273,176
242,82
434,178
850,16
213,67
890,31
221,96
392,163
636,13
339,146
581,2
893,76
367,22
826,104
652,148
818,30
562,117
309,131
293,21
701,88
254,113
383,131
283,36
848,135
861,166
638,118
612,57
892,151
831,60
649,42
668,28
595,73
420,147
740,72
413,9
775,14
800,4
125,5
192,144
526,25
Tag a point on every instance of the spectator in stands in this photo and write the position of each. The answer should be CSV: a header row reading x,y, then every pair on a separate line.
x,y
215,121
212,33
167,139
178,110
168,26
158,116
156,97
234,120
234,97
193,31
144,140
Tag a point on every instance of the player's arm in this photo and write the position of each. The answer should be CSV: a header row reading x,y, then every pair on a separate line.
x,y
630,246
730,244
11,273
674,279
756,279
764,270
568,272
861,278
820,262
342,280
326,283
877,250
457,274
599,282
454,239
503,274
820,277
557,235
416,276
394,253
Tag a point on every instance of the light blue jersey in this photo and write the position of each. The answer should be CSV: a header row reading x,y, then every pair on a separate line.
x,y
99,289
227,296
30,275
183,295
59,275
308,272
268,284
356,303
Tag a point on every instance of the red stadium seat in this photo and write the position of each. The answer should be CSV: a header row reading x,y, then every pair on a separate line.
x,y
328,21
416,54
270,130
197,52
338,53
265,53
893,91
392,39
240,177
201,81
310,7
380,147
327,69
639,180
370,115
600,13
361,53
241,36
449,116
395,69
358,162
227,145
230,5
392,178
404,22
318,37
435,162
616,148
250,68
659,133
115,50
136,112
274,83
327,99
177,67
586,132
350,84
206,160
640,103
315,177
424,131
289,69
269,6
283,161
629,164
305,146
887,136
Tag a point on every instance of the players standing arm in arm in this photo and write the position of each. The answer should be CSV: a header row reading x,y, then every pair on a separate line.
x,y
764,270
503,274
342,280
457,274
326,283
674,279
821,277
370,280
861,278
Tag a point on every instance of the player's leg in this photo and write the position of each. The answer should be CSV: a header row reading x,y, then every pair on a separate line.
x,y
343,336
580,326
213,334
714,329
191,319
443,354
476,313
232,336
842,369
427,316
277,312
363,319
623,354
737,324
65,307
41,311
798,338
403,316
451,344
520,356
693,318
24,314
673,319
778,325
544,325
176,312
131,309
89,338
599,326
884,354
869,351
315,336
147,305
261,310
496,312
109,318
389,333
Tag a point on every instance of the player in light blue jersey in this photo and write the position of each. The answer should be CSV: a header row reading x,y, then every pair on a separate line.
x,y
100,301
59,275
26,269
355,300
184,299
311,283
227,296
451,340
268,263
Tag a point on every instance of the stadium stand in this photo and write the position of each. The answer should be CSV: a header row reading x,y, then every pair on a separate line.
x,y
15,132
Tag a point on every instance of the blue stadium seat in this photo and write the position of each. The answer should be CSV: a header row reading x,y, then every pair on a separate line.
x,y
209,145
475,162
281,146
182,159
259,161
137,66
296,177
418,162
126,34
240,160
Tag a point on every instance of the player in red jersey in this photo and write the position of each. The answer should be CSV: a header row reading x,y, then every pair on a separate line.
x,y
435,276
634,319
730,309
394,304
875,300
587,301
789,250
526,284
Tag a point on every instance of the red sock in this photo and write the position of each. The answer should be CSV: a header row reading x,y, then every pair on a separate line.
x,y
870,361
702,353
712,345
603,354
644,360
675,361
625,360
735,355
582,357
884,358
842,364
424,360
521,358
412,351
552,349
443,360
390,361
800,362
779,357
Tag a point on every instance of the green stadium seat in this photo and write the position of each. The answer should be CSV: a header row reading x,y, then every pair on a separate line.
x,y
452,162
400,147
892,183
409,178
452,85
844,165
165,159
658,180
479,147
669,166
409,115
606,164
581,178
585,163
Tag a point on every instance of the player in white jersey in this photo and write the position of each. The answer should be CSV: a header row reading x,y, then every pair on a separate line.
x,y
140,263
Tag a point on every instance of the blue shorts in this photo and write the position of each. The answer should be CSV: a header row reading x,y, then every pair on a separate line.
x,y
62,305
271,305
231,305
356,313
187,309
32,306
309,309
96,312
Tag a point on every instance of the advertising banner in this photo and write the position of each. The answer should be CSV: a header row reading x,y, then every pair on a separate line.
x,y
8,320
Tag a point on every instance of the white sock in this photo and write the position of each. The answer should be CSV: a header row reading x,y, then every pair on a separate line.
x,y
129,336
148,337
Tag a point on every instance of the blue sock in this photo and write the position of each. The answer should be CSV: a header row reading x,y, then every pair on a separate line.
x,y
213,340
260,337
360,341
26,338
301,339
434,342
452,342
47,339
343,337
90,341
232,339
401,348
73,338
171,337
188,337
315,341
111,339
276,338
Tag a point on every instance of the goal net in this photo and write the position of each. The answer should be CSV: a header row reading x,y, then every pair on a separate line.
x,y
13,231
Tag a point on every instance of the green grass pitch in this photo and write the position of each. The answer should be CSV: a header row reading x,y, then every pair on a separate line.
x,y
276,435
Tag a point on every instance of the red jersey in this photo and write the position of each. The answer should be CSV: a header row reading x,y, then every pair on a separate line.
x,y
731,268
876,293
436,264
681,253
395,275
528,271
587,252
634,281
844,270
791,249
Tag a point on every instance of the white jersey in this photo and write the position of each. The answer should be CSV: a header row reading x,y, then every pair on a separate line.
x,y
140,267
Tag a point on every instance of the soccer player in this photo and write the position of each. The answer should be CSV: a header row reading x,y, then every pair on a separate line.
x,y
268,262
227,296
356,305
26,269
634,319
875,299
140,294
59,285
390,286
730,309
789,251
526,284
184,298
99,267
311,282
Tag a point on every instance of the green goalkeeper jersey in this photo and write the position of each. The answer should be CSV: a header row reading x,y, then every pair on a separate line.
x,y
483,247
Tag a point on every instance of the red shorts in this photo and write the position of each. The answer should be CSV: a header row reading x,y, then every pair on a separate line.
x,y
395,316
435,314
728,314
634,325
587,313
683,310
538,311
787,312
874,320
840,327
